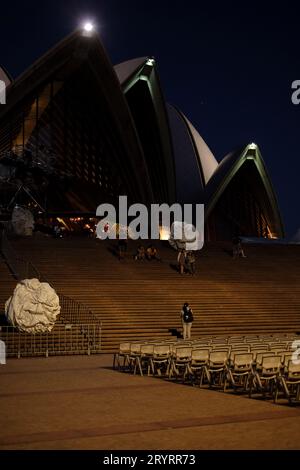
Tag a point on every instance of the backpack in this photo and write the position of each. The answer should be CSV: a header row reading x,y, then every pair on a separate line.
x,y
188,316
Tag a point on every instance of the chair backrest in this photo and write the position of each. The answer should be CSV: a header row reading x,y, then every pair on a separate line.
x,y
147,349
243,348
280,352
219,343
277,346
236,339
236,344
221,347
161,350
178,345
255,351
293,370
205,339
124,348
218,357
135,348
235,352
266,338
205,343
261,355
271,364
243,360
200,355
251,339
183,353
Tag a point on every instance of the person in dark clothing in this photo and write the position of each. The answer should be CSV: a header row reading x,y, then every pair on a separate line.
x,y
122,246
237,249
152,253
187,318
140,254
190,262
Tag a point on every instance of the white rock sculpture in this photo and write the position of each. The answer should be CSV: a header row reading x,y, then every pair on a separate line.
x,y
33,307
22,221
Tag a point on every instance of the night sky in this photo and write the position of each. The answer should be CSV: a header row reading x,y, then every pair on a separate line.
x,y
228,66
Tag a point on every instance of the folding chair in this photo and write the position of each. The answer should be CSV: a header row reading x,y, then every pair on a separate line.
x,y
239,372
258,352
215,370
291,382
180,361
199,360
134,357
144,358
124,352
266,379
160,360
260,355
234,351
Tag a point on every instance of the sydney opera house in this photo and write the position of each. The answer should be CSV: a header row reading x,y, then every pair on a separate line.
x,y
77,131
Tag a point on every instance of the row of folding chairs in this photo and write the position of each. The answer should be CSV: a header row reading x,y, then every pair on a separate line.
x,y
248,339
245,369
130,351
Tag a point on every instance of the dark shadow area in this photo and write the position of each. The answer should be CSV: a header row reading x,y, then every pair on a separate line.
x,y
227,251
175,332
3,320
174,267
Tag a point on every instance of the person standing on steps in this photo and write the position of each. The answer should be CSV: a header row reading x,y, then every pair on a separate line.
x,y
181,261
190,261
122,248
187,319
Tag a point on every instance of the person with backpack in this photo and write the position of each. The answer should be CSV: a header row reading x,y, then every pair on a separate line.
x,y
187,320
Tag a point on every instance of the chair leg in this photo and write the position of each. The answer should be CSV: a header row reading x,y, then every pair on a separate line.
x,y
138,360
152,366
298,392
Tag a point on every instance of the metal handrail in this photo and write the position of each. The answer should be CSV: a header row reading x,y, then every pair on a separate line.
x,y
63,339
19,267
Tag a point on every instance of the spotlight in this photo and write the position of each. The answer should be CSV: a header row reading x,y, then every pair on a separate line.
x,y
252,146
88,27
